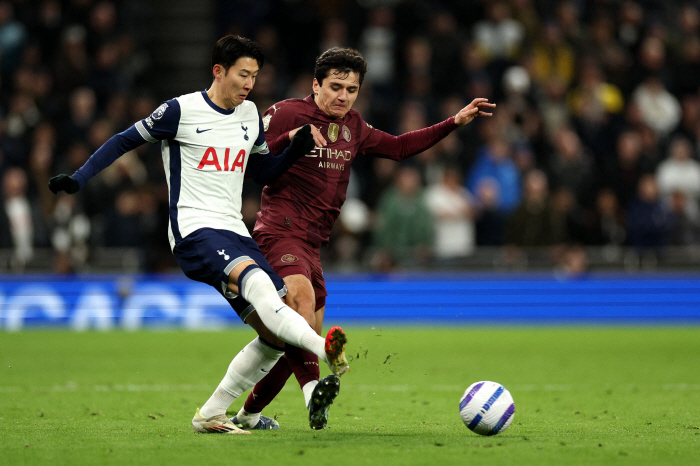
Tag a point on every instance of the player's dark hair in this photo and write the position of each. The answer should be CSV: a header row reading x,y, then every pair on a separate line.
x,y
345,61
229,49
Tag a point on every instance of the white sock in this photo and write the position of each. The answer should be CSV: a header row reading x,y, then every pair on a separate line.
x,y
258,289
246,419
308,389
247,368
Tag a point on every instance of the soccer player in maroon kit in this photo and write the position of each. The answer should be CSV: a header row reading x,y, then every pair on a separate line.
x,y
299,209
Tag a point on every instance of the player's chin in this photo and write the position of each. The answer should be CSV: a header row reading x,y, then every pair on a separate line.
x,y
339,112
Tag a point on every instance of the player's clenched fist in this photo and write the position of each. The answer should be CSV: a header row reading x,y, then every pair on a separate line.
x,y
64,183
302,143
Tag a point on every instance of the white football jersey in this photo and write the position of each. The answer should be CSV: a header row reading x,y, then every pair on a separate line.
x,y
205,152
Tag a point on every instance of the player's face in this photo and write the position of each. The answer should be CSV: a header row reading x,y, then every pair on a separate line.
x,y
238,80
336,95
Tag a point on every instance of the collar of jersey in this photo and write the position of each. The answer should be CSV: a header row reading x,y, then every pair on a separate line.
x,y
214,106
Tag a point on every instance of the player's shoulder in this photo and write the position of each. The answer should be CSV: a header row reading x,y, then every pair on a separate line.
x,y
354,118
287,105
248,108
191,97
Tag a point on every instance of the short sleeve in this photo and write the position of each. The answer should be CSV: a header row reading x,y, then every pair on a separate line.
x,y
162,123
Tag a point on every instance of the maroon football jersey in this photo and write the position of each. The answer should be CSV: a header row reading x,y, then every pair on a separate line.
x,y
305,202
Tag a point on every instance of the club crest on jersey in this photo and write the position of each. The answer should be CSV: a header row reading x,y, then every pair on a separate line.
x,y
333,132
289,258
346,133
158,113
245,136
266,122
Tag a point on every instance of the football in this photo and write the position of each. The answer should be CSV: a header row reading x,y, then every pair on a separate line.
x,y
487,408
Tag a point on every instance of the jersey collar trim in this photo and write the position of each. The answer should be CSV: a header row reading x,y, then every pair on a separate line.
x,y
223,111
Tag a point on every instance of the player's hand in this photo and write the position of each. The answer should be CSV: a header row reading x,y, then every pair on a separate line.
x,y
473,110
318,138
302,143
64,183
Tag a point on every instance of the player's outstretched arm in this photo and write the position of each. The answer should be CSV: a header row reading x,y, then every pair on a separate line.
x,y
476,108
380,144
110,151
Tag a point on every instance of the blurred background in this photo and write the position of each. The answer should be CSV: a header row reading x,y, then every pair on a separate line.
x,y
590,162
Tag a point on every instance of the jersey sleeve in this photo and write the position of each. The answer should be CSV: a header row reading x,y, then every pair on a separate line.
x,y
162,123
377,143
263,167
278,121
115,147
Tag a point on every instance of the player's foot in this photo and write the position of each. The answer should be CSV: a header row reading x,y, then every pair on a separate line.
x,y
265,423
335,351
219,424
321,400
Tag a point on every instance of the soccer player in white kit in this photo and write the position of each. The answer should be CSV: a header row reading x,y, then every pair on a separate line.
x,y
209,141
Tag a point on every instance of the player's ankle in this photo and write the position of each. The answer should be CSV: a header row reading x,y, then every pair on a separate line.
x,y
247,420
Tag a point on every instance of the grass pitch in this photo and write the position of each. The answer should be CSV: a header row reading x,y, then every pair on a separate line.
x,y
582,396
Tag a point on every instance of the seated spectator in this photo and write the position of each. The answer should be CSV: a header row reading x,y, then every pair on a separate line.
x,y
649,221
680,173
451,205
490,220
404,232
660,110
20,218
534,223
494,161
685,230
609,220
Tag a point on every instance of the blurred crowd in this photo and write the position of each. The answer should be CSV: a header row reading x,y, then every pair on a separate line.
x,y
595,140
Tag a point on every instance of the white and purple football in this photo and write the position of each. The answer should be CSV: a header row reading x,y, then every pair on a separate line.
x,y
487,408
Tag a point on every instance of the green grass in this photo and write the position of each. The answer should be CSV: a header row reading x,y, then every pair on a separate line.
x,y
582,395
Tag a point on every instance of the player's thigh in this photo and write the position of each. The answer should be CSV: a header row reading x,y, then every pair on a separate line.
x,y
301,297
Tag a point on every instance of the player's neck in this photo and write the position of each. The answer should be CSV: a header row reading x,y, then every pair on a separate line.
x,y
217,97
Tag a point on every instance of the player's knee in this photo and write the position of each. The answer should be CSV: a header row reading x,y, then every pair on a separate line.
x,y
305,306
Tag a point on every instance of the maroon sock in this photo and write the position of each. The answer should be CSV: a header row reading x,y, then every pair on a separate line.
x,y
304,364
267,389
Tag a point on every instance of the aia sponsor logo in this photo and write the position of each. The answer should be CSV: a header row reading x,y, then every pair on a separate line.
x,y
211,158
289,258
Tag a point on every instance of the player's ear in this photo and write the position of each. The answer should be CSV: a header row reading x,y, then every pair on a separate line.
x,y
218,71
316,86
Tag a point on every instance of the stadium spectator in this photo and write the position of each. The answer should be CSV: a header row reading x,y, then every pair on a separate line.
x,y
686,229
609,220
404,231
451,206
649,220
21,222
494,161
680,173
490,219
535,223
660,110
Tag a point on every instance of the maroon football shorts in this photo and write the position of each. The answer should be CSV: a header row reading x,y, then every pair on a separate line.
x,y
294,256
